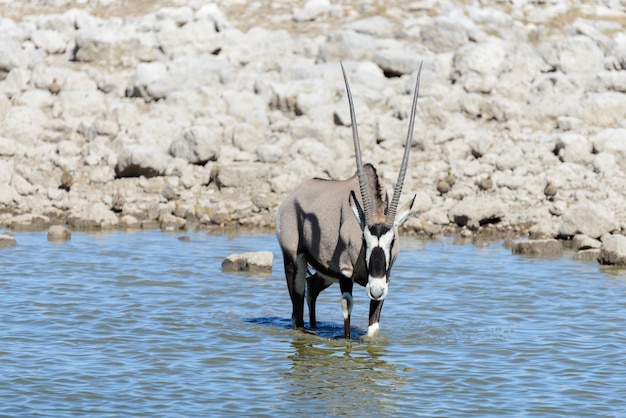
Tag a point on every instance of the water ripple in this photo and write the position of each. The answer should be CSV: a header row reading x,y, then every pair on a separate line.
x,y
146,324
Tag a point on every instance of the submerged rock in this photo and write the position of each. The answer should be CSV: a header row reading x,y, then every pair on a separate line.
x,y
254,262
59,233
590,254
613,250
7,240
539,247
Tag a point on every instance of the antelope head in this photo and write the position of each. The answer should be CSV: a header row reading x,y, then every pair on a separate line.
x,y
380,232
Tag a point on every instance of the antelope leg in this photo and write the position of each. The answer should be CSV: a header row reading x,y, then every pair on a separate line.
x,y
315,285
346,304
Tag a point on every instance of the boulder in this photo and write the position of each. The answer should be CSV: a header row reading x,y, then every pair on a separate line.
x,y
254,262
50,41
539,247
589,219
590,254
108,46
477,65
583,242
95,216
241,174
605,109
575,148
611,141
613,250
444,34
145,74
7,240
397,62
477,211
59,233
140,160
198,144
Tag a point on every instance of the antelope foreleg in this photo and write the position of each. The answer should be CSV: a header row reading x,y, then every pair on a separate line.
x,y
346,304
372,330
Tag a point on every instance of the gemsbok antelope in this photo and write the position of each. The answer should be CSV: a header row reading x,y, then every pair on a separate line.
x,y
344,235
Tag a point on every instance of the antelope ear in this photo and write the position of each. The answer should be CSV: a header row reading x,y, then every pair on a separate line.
x,y
403,213
357,210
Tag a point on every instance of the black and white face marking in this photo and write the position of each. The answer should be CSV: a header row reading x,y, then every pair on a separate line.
x,y
379,239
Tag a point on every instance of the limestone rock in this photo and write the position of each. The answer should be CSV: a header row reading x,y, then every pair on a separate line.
x,y
589,219
59,233
7,240
139,160
254,262
198,144
240,175
541,247
476,211
613,250
590,254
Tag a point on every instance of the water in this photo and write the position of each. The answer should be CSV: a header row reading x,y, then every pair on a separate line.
x,y
145,324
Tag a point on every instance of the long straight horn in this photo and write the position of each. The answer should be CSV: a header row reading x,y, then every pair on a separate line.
x,y
397,191
367,202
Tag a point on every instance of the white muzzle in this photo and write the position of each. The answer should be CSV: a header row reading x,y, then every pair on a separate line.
x,y
376,288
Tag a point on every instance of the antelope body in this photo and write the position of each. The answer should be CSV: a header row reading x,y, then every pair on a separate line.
x,y
346,231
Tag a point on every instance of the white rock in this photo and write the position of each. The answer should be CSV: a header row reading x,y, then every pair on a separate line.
x,y
7,240
617,50
114,46
144,74
444,34
603,109
589,219
259,261
8,196
139,160
378,26
50,41
476,211
575,148
611,141
198,144
8,147
478,65
242,175
579,54
59,233
312,9
613,250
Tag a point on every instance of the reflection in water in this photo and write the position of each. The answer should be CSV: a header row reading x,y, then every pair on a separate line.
x,y
339,377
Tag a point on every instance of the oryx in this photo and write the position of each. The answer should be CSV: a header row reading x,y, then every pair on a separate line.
x,y
344,235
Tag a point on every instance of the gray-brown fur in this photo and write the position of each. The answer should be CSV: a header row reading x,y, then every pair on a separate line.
x,y
346,231
317,218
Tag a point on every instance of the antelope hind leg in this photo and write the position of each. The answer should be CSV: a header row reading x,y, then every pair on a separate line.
x,y
315,285
295,273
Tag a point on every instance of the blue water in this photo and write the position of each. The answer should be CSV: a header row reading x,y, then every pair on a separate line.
x,y
146,324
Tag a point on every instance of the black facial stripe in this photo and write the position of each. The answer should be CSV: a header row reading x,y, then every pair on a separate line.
x,y
377,264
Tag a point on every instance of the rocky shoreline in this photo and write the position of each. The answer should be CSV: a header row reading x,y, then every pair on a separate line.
x,y
188,115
